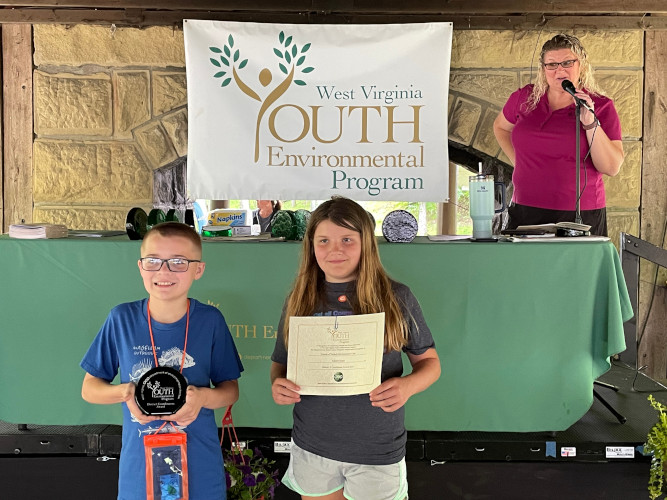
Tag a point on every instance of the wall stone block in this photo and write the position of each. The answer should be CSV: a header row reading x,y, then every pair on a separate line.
x,y
169,91
132,102
624,190
518,49
621,221
463,122
155,144
72,173
494,49
492,86
626,89
100,219
613,49
176,125
485,140
67,104
81,44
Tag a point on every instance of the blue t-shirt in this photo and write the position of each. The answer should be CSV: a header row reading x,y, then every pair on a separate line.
x,y
123,346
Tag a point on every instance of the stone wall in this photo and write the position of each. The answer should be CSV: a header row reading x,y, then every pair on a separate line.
x,y
110,108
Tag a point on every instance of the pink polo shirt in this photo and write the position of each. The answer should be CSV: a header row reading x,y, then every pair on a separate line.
x,y
544,141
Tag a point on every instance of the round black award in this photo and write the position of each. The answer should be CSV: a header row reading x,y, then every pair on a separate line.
x,y
399,226
135,223
161,391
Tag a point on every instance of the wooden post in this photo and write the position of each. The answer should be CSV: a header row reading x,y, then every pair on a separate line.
x,y
653,347
17,121
447,213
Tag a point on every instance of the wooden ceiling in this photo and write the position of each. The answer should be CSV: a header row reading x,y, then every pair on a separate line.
x,y
465,14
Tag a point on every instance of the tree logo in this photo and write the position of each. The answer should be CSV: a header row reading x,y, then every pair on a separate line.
x,y
290,61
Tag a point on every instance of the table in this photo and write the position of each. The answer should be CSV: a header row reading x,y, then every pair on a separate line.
x,y
522,330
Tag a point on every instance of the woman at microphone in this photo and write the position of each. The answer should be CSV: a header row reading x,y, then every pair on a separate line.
x,y
535,129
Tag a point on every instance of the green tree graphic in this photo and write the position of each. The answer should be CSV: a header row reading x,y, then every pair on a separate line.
x,y
291,60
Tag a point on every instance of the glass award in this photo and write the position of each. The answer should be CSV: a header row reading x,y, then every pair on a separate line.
x,y
161,391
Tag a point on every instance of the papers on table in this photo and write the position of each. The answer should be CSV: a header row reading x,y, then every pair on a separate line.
x,y
336,355
551,238
37,231
553,227
448,237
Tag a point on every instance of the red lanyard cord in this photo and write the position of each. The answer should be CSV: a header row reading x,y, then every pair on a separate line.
x,y
150,330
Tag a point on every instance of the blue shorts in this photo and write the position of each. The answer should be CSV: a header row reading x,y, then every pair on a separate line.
x,y
315,476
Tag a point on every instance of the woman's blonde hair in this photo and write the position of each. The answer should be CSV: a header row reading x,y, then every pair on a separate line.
x,y
586,77
373,292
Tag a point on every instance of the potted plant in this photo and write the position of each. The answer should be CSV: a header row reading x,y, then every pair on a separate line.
x,y
656,444
250,475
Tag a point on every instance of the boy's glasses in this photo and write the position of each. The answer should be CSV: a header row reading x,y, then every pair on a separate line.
x,y
176,264
565,64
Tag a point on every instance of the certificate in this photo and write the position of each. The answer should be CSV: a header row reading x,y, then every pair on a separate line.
x,y
336,355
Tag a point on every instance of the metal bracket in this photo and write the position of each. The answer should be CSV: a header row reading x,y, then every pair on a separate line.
x,y
632,248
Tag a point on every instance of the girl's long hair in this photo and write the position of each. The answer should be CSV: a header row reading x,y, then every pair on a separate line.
x,y
586,77
373,292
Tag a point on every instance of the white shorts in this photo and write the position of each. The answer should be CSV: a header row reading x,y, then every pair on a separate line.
x,y
315,476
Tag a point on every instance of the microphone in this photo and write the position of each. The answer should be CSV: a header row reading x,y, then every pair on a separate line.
x,y
568,87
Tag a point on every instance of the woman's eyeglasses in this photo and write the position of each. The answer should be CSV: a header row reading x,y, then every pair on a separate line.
x,y
176,264
565,64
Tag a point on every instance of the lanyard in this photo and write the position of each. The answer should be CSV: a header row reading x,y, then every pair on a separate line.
x,y
150,330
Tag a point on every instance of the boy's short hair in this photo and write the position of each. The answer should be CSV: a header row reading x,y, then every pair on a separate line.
x,y
169,229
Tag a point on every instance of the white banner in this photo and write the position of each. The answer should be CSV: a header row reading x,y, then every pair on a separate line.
x,y
305,112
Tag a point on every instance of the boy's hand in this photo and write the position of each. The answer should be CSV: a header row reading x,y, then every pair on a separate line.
x,y
285,392
128,398
194,400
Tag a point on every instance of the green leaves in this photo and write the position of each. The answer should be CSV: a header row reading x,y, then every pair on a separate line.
x,y
288,54
226,57
656,443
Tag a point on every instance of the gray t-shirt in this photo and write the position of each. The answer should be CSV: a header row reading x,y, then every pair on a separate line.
x,y
348,428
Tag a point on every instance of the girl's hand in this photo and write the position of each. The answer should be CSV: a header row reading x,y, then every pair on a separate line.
x,y
391,394
285,392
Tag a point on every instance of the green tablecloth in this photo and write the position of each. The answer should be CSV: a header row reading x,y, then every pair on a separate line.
x,y
522,330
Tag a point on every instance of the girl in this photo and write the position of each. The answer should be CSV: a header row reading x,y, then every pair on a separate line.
x,y
352,446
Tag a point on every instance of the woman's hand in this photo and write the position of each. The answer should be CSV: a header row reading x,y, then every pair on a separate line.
x,y
502,129
586,116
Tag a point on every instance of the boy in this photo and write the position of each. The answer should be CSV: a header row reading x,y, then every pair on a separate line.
x,y
170,261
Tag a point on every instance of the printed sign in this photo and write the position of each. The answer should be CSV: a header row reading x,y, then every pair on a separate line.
x,y
568,451
619,452
280,111
282,446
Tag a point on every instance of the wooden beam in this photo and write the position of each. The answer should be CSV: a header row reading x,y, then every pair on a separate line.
x,y
653,349
477,7
17,123
139,17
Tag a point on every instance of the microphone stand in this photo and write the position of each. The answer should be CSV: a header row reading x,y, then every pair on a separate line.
x,y
577,135
577,218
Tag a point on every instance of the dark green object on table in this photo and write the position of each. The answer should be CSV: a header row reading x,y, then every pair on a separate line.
x,y
174,215
136,223
283,224
155,217
301,216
